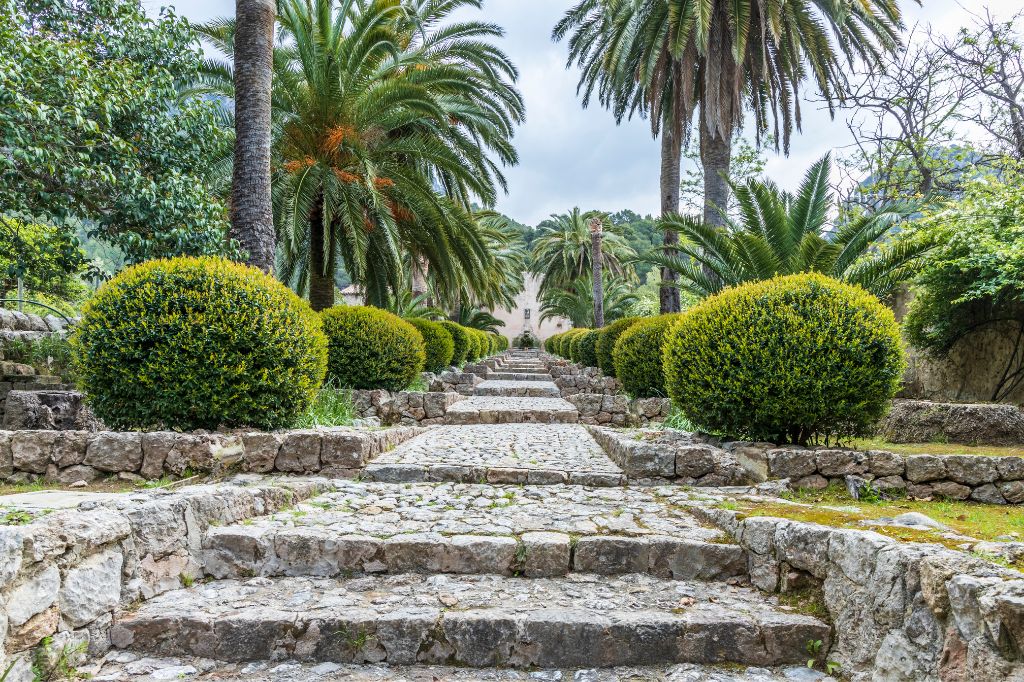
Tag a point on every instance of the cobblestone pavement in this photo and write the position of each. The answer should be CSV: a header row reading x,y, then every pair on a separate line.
x,y
127,666
510,410
476,621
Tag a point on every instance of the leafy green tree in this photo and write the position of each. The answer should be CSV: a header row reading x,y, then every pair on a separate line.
x,y
376,104
576,303
561,252
778,233
973,281
47,259
92,126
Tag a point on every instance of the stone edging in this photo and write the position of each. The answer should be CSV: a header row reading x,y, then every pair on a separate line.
x,y
65,574
901,611
71,456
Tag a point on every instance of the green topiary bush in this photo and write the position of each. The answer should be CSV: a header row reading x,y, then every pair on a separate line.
x,y
587,348
460,338
788,360
637,356
440,346
475,347
549,343
195,343
574,345
565,345
370,348
606,343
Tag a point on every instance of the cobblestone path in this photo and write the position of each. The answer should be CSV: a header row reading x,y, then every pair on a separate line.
x,y
505,545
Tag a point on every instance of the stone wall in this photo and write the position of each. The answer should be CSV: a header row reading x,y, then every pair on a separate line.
x,y
19,326
900,611
920,421
672,456
65,574
619,410
459,382
69,457
572,379
404,407
46,407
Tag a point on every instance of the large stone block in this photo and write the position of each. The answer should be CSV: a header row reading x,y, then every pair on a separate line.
x,y
92,588
300,452
971,470
792,463
33,595
115,452
31,451
923,468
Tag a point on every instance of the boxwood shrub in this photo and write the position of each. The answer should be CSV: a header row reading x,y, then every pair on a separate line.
x,y
606,343
587,347
574,345
786,360
637,356
439,345
565,343
370,348
194,343
460,337
549,343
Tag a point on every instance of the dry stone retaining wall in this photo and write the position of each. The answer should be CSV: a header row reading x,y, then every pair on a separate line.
x,y
921,421
404,407
18,326
900,611
66,573
68,457
619,410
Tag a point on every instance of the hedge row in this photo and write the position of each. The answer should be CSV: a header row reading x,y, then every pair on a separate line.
x,y
191,343
791,359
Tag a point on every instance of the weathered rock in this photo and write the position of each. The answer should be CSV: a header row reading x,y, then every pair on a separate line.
x,y
951,490
988,494
33,595
971,470
919,421
92,588
923,468
115,451
31,450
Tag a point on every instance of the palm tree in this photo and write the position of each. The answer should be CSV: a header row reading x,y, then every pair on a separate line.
x,y
778,233
562,250
474,318
252,217
384,121
672,59
576,303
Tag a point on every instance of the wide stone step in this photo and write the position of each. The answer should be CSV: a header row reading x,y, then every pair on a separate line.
x,y
472,621
535,531
496,410
541,454
517,376
518,389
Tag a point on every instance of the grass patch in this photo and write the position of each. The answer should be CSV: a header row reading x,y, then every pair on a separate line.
x,y
981,521
938,448
677,420
420,385
332,407
808,601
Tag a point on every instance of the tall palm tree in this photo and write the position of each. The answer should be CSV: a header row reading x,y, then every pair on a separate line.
x,y
252,217
474,318
677,59
385,121
562,250
779,233
576,303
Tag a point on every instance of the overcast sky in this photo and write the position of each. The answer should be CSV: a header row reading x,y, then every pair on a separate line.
x,y
570,156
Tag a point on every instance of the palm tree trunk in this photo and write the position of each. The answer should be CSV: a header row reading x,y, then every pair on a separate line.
x,y
420,267
715,156
671,159
321,261
252,217
597,265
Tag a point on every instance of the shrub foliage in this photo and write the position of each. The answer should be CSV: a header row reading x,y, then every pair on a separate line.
x,y
787,360
198,343
370,348
637,356
460,338
440,346
606,343
587,348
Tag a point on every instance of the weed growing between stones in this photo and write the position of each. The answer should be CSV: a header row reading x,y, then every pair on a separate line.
x,y
332,406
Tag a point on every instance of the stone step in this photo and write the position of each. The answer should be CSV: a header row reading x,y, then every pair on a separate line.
x,y
496,410
127,666
539,454
535,531
471,621
517,376
518,389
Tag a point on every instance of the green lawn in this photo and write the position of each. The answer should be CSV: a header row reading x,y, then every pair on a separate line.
x,y
938,448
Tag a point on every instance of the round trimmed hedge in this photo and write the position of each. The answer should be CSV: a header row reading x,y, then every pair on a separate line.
x,y
786,360
370,348
460,338
549,343
440,346
606,343
565,343
191,343
587,347
574,345
637,356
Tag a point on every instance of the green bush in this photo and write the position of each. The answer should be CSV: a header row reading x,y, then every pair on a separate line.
x,y
461,340
606,343
565,345
587,348
574,345
370,348
787,360
637,356
439,344
194,343
549,343
476,350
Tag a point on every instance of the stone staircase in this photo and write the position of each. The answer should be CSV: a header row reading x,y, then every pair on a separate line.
x,y
493,543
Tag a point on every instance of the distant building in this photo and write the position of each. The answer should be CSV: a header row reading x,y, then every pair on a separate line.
x,y
526,314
